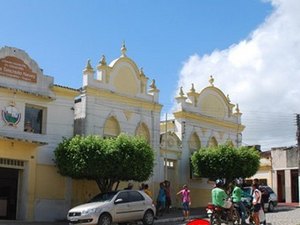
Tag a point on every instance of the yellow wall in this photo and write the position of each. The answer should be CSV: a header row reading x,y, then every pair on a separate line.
x,y
17,150
125,82
83,190
49,183
212,106
200,197
26,152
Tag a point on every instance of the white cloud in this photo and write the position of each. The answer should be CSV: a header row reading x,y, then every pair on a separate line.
x,y
261,74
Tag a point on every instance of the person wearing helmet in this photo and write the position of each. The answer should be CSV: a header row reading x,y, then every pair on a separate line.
x,y
219,196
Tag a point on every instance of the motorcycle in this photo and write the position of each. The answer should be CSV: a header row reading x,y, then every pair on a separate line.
x,y
218,215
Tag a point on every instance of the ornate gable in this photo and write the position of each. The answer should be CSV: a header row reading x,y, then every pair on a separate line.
x,y
18,71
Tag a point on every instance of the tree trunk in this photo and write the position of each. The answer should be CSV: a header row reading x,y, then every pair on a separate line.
x,y
117,185
105,185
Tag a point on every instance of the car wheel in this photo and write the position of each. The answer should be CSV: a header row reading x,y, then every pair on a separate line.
x,y
271,207
105,219
148,218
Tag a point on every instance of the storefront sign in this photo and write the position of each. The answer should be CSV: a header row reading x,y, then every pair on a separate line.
x,y
11,115
15,68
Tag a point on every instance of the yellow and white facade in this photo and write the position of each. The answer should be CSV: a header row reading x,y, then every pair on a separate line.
x,y
115,97
202,119
35,115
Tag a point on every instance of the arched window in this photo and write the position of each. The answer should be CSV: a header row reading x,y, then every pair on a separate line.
x,y
229,142
142,130
194,145
194,142
212,142
111,127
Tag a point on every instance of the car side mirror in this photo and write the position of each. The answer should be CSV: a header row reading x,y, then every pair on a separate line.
x,y
118,201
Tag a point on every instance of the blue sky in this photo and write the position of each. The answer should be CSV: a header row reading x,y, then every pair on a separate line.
x,y
169,39
159,35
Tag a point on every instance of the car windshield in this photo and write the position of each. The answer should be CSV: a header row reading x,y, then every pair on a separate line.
x,y
247,190
268,189
104,197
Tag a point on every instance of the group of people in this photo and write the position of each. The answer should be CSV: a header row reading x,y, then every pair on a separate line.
x,y
163,201
219,198
143,187
222,199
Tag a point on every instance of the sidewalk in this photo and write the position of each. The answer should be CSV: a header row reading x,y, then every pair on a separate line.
x,y
289,204
175,214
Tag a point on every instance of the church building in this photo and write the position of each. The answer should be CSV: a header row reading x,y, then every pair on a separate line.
x,y
202,119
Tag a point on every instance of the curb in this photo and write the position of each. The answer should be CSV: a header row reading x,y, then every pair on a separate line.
x,y
177,219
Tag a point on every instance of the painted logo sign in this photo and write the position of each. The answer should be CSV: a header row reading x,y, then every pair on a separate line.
x,y
11,115
15,68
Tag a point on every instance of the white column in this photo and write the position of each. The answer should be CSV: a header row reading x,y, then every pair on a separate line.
x,y
288,186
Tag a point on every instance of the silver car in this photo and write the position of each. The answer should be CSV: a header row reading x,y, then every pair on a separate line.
x,y
268,197
114,207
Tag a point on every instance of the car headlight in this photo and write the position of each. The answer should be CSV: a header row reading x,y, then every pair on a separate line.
x,y
88,211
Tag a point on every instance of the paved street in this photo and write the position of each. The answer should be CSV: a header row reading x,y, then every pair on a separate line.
x,y
283,215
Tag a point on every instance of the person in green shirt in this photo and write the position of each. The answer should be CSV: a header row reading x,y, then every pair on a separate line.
x,y
219,196
237,194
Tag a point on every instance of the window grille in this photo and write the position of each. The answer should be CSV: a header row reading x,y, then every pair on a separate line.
x,y
11,163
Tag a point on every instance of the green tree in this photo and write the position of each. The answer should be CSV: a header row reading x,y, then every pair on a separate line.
x,y
225,161
107,161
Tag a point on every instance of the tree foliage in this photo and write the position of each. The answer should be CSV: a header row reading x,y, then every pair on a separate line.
x,y
107,161
225,161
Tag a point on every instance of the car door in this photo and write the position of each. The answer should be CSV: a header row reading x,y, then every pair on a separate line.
x,y
121,205
137,205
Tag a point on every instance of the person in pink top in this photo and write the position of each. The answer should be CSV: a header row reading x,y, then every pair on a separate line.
x,y
186,201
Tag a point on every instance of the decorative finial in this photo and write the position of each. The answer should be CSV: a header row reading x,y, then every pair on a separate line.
x,y
181,93
152,85
237,109
228,99
192,89
211,80
142,72
123,49
88,66
102,60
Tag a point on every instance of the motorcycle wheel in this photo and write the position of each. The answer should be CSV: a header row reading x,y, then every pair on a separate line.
x,y
212,220
215,219
236,217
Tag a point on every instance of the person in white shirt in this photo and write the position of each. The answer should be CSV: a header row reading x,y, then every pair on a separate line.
x,y
256,194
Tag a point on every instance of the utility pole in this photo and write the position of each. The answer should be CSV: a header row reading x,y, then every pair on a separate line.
x,y
298,149
166,148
